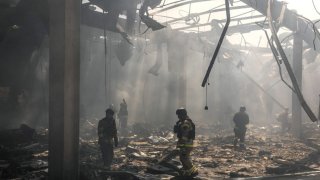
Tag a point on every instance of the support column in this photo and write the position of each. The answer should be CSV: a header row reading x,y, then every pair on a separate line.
x,y
182,82
297,70
64,75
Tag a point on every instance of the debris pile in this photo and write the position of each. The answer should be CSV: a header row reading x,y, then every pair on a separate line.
x,y
266,154
23,154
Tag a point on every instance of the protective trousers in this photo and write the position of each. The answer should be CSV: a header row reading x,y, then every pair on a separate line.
x,y
184,154
239,133
123,121
107,153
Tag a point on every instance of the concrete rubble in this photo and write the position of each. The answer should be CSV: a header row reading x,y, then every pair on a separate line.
x,y
268,153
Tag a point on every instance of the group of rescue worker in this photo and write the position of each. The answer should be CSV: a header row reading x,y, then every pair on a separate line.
x,y
184,128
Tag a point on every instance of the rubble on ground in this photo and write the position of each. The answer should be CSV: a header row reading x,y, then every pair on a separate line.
x,y
267,153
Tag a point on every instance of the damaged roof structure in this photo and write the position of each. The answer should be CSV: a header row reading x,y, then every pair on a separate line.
x,y
63,62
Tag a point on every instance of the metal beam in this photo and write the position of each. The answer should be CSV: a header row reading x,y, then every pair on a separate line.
x,y
294,81
205,12
177,5
242,28
205,79
291,20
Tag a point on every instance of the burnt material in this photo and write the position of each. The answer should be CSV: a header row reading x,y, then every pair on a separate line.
x,y
12,137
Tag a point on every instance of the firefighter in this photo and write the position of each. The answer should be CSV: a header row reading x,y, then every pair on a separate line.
x,y
240,119
185,130
283,118
107,132
123,116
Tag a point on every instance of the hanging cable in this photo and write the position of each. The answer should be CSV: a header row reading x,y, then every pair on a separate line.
x,y
204,58
105,61
276,56
109,71
206,106
107,66
314,6
315,30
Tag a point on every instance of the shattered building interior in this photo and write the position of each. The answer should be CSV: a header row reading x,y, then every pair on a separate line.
x,y
66,64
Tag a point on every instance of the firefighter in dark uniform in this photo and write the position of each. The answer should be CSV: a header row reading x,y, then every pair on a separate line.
x,y
107,132
185,130
240,119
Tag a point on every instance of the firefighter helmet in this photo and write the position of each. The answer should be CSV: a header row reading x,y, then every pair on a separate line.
x,y
181,111
242,108
110,111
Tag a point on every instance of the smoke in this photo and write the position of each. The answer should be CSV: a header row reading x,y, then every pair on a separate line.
x,y
154,98
236,80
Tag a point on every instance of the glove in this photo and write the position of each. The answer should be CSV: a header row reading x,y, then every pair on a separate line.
x,y
116,141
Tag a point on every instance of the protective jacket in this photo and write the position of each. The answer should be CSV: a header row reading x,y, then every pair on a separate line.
x,y
107,130
185,130
241,119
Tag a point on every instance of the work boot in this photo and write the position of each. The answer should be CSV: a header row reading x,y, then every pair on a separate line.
x,y
192,172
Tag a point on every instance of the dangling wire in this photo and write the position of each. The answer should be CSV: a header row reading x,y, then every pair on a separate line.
x,y
189,9
204,57
314,6
206,107
207,84
105,62
109,71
